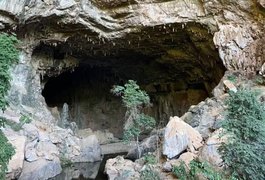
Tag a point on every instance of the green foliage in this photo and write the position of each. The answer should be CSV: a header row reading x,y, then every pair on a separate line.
x,y
18,126
65,162
8,56
132,95
149,174
150,159
196,168
245,127
134,100
260,80
232,78
6,152
141,123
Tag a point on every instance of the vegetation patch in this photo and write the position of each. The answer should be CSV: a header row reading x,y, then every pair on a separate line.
x,y
196,170
134,99
149,174
244,125
8,56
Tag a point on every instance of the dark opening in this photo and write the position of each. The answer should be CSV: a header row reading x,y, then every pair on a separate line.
x,y
176,71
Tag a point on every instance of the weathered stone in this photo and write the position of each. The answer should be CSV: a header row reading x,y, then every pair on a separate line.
x,y
16,163
119,147
210,152
205,117
65,4
178,136
230,86
31,131
41,169
47,150
90,150
149,144
185,157
120,168
85,170
31,152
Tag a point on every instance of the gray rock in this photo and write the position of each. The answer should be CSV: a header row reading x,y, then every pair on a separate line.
x,y
149,144
31,131
87,170
179,136
90,150
47,150
41,169
210,151
31,152
120,168
205,117
16,163
65,4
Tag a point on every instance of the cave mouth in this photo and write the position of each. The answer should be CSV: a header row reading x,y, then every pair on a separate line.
x,y
176,72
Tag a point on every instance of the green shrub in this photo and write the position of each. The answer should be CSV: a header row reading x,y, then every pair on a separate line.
x,y
260,80
65,162
245,127
196,168
8,56
149,174
6,152
134,99
150,159
18,126
232,78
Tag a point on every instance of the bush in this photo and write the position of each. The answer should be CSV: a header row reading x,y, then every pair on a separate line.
x,y
6,152
18,126
149,174
244,126
150,159
196,169
8,56
134,99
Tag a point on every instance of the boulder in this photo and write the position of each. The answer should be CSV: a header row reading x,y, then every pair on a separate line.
x,y
205,117
120,168
86,170
90,150
210,152
229,86
185,157
40,169
16,163
31,152
47,150
179,136
149,144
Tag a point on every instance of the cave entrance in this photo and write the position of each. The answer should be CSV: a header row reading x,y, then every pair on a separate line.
x,y
177,70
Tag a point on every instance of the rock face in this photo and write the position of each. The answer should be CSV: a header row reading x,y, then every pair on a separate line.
x,y
16,163
206,116
149,144
120,168
210,152
180,36
179,136
237,31
41,169
178,50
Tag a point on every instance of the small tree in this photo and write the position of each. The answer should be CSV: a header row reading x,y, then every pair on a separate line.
x,y
134,99
244,153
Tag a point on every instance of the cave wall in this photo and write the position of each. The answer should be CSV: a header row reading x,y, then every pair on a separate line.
x,y
95,27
